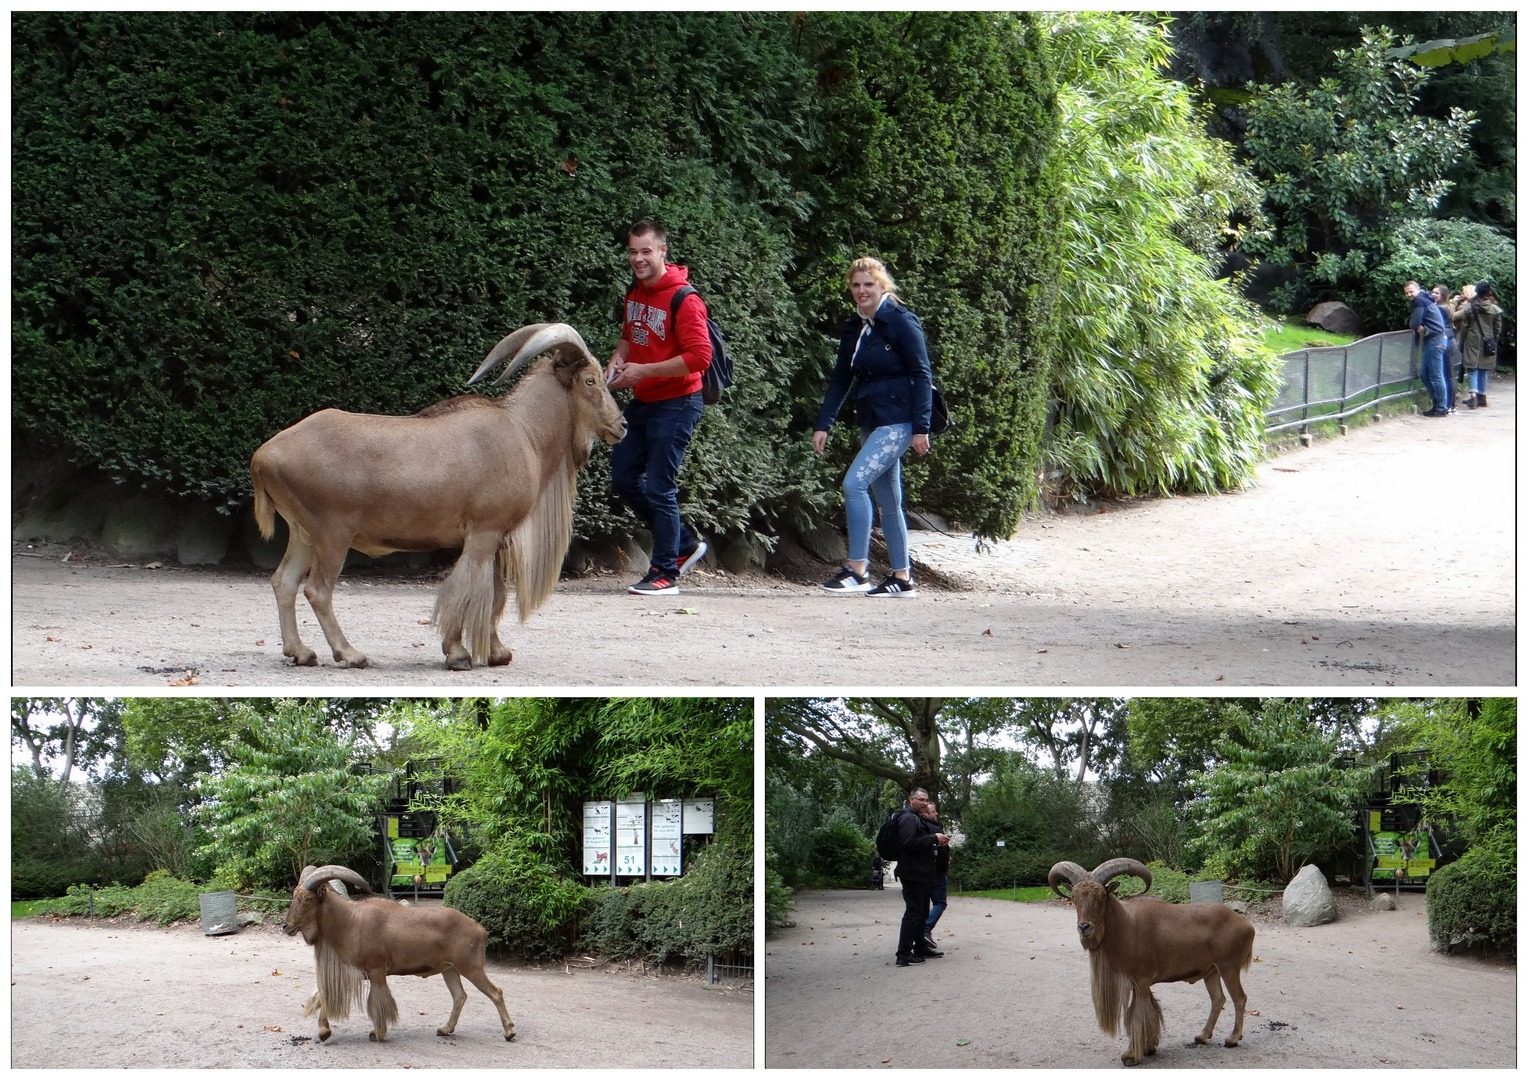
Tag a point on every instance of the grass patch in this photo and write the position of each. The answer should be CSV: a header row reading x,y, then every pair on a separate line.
x,y
20,909
1025,893
1291,334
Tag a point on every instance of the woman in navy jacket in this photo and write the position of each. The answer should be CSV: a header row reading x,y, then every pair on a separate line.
x,y
883,353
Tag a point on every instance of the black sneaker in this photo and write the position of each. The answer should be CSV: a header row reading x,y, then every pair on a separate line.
x,y
657,583
903,961
895,586
846,580
693,557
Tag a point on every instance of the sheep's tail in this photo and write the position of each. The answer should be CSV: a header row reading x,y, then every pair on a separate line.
x,y
339,984
265,513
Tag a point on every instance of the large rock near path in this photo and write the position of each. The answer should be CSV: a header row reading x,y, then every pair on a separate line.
x,y
1335,317
1308,900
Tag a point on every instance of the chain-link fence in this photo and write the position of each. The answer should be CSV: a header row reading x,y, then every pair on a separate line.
x,y
1341,381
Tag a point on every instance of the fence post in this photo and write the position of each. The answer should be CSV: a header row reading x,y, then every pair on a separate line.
x,y
1305,403
92,905
1342,416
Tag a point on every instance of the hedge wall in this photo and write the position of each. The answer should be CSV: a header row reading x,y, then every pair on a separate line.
x,y
223,222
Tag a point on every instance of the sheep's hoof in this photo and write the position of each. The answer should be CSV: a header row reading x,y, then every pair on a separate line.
x,y
358,662
1201,1040
443,1031
499,659
1128,1060
510,1037
459,663
323,1036
1233,1042
305,658
1151,1052
372,1035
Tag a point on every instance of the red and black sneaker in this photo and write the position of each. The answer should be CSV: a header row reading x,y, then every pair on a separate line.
x,y
657,583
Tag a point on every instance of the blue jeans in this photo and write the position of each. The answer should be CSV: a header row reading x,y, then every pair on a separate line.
x,y
877,469
939,896
1480,380
644,470
1433,375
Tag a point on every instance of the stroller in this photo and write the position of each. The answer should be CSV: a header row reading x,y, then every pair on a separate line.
x,y
878,874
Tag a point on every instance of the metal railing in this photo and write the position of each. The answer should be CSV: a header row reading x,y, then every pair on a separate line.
x,y
716,971
1341,381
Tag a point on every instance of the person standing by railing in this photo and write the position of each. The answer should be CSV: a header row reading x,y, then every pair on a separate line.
x,y
1427,326
1478,324
1451,357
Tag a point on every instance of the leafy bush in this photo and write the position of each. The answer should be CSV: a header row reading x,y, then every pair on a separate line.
x,y
526,908
161,897
1452,253
840,856
1473,903
708,911
1040,819
778,896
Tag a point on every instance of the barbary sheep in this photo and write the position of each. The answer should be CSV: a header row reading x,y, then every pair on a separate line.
x,y
373,938
1131,945
493,475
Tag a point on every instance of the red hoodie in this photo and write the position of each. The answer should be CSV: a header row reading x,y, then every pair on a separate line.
x,y
648,314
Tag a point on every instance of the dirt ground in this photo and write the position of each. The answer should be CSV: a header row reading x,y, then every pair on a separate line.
x,y
1011,991
125,995
1382,558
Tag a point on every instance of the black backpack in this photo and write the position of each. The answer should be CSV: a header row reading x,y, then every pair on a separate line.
x,y
718,374
888,842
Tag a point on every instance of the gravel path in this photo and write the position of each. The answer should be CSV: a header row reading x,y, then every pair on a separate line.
x,y
1383,558
1011,991
122,995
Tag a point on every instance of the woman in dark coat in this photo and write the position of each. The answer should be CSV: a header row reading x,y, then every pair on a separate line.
x,y
883,353
1476,323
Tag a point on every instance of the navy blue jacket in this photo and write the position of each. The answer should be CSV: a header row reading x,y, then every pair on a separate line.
x,y
918,859
895,380
1425,313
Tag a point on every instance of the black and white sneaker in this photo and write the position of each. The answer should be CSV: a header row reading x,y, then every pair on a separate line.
x,y
895,586
657,583
846,580
693,557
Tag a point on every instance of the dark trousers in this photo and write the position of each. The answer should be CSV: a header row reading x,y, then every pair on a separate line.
x,y
644,470
915,895
938,896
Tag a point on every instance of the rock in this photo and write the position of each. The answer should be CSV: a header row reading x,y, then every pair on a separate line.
x,y
251,918
826,544
142,527
1335,318
202,539
70,511
1308,900
1238,906
636,552
1382,902
927,520
741,553
266,554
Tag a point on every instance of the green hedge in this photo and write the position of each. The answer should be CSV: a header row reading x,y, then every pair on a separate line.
x,y
839,856
525,907
225,221
1473,903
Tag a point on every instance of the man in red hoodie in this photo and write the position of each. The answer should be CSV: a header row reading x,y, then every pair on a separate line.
x,y
661,359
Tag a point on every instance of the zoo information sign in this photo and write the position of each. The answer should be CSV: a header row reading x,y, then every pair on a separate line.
x,y
640,838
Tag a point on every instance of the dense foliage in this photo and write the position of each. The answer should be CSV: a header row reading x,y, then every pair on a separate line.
x,y
1161,380
289,798
1472,903
1040,819
1446,252
1344,162
937,131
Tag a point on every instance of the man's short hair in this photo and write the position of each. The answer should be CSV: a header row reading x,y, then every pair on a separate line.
x,y
648,227
1418,284
915,791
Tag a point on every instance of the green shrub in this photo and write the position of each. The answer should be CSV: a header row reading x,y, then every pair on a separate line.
x,y
1452,253
778,896
839,855
161,897
525,907
708,911
1473,903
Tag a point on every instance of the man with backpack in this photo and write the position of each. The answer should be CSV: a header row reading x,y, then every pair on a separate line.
x,y
662,356
916,841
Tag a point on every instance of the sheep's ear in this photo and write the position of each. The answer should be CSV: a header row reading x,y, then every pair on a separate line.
x,y
1113,887
567,365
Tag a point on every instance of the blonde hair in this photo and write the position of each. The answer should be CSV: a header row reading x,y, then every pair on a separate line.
x,y
876,269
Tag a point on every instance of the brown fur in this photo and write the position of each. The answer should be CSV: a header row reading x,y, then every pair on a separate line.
x,y
496,476
375,938
1133,944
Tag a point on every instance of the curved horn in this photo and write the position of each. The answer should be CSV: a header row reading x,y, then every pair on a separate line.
x,y
507,347
1103,873
554,337
313,877
1068,870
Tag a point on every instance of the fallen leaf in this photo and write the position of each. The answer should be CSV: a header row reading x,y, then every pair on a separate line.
x,y
153,565
87,646
1220,678
1042,650
1253,1012
886,1061
687,611
272,1027
962,1042
1278,469
423,622
418,644
275,973
1119,645
570,166
189,680
987,632
260,642
52,638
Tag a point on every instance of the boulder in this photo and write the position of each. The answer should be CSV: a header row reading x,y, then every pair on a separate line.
x,y
741,553
71,510
1382,902
265,554
827,544
926,520
636,552
1308,900
202,539
1335,317
141,527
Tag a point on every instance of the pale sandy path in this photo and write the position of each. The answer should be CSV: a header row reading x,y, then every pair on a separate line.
x,y
1364,992
112,997
1385,558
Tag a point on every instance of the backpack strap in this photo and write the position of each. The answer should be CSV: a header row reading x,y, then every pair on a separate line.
x,y
680,295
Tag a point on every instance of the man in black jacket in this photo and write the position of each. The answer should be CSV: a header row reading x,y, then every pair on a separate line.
x,y
918,840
